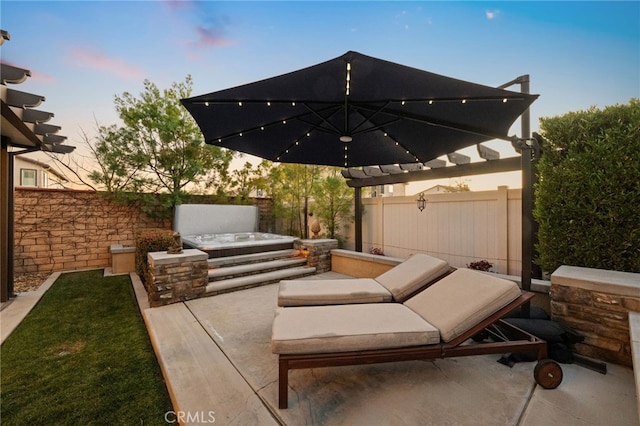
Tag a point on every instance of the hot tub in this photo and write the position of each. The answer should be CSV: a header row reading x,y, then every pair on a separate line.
x,y
232,244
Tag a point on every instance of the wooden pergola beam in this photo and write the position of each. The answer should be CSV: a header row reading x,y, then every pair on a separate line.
x,y
494,166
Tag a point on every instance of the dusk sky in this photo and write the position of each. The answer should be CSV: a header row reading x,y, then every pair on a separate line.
x,y
83,53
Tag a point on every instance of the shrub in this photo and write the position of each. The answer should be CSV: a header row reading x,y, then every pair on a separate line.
x,y
588,192
481,265
150,240
376,250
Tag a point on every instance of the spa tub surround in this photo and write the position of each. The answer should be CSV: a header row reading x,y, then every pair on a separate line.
x,y
237,255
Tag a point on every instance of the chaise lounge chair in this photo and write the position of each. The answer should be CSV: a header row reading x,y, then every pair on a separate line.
x,y
432,324
397,284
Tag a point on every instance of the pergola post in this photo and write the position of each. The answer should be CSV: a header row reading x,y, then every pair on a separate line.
x,y
6,222
527,198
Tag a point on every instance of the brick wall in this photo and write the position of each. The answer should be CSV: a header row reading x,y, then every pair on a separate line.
x,y
57,230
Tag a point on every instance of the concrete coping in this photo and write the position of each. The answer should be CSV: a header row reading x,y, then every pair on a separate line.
x,y
316,242
634,330
367,256
188,255
119,248
600,280
537,286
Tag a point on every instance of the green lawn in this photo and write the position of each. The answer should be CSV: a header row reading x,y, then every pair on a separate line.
x,y
82,356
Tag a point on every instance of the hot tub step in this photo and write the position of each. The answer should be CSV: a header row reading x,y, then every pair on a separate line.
x,y
248,281
219,262
253,268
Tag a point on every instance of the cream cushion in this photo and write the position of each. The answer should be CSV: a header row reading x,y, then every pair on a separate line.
x,y
461,300
396,284
409,276
331,292
342,328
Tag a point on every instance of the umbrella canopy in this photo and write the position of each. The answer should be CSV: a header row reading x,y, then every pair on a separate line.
x,y
356,110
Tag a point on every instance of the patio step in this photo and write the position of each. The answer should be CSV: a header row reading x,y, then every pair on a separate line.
x,y
242,259
254,280
232,273
254,268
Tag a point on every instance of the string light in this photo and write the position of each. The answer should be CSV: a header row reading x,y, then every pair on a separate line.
x,y
348,78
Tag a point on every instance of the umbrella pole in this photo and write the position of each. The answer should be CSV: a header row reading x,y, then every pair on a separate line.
x,y
357,199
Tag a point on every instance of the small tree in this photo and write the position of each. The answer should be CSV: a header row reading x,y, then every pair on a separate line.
x,y
248,179
333,202
290,186
159,148
588,193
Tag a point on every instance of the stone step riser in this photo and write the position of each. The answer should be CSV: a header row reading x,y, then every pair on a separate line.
x,y
228,261
255,280
226,272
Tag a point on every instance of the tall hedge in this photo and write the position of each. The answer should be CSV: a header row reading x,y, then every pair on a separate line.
x,y
588,194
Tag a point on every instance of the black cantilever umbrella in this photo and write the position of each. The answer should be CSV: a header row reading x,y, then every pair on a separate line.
x,y
356,110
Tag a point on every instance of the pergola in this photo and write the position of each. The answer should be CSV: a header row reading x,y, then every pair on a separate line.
x,y
24,129
383,122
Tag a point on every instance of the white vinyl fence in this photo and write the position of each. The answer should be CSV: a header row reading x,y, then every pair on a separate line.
x,y
461,227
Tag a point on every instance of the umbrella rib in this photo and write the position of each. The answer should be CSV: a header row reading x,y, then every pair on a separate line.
x,y
369,118
446,124
324,120
298,117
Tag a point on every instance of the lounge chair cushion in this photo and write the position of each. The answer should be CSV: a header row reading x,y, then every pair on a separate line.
x,y
331,292
409,276
342,328
461,300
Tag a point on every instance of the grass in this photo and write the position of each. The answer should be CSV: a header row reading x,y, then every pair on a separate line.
x,y
82,356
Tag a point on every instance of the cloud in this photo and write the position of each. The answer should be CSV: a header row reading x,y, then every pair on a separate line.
x,y
35,75
491,14
179,4
201,27
40,76
210,37
96,60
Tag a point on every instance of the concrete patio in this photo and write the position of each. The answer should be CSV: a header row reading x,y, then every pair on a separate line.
x,y
215,355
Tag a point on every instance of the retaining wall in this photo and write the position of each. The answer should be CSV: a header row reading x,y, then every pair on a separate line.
x,y
597,304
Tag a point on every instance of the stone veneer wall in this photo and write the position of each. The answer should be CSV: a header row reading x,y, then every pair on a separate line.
x,y
319,252
176,277
597,303
57,230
